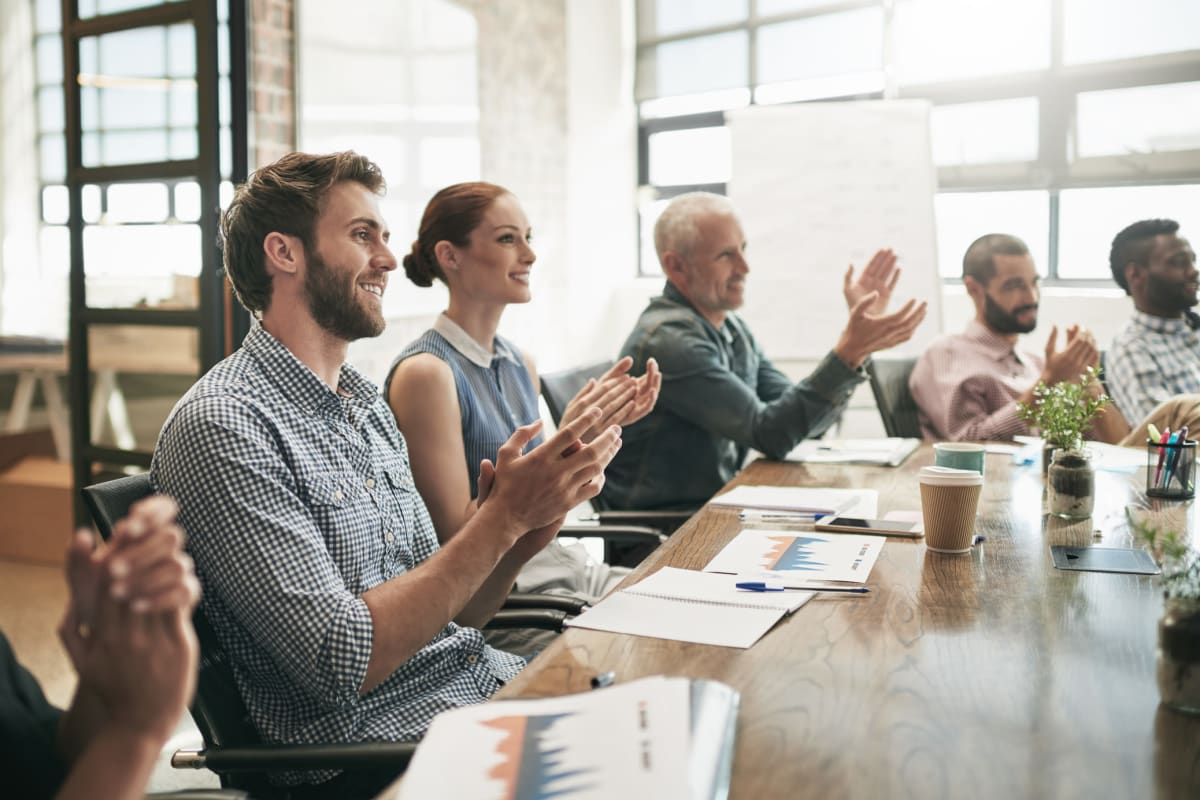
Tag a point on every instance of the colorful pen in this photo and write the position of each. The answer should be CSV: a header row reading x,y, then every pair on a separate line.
x,y
762,586
1162,452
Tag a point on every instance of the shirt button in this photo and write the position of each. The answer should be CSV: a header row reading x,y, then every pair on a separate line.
x,y
338,495
370,483
472,659
391,537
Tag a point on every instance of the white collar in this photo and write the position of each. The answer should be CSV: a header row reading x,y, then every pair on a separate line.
x,y
470,349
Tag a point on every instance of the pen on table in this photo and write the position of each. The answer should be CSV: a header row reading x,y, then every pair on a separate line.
x,y
762,586
603,679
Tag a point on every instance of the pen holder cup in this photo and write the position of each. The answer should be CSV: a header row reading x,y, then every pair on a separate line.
x,y
1170,470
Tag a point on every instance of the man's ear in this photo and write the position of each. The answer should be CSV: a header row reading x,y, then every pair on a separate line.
x,y
974,288
283,253
673,266
1134,274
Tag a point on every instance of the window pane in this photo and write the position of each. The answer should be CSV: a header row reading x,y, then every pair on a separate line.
x,y
133,88
136,202
962,217
985,133
50,109
187,201
1090,218
90,200
832,44
932,43
47,16
1145,119
700,155
767,8
53,151
132,266
90,8
665,17
55,205
1095,31
694,65
49,59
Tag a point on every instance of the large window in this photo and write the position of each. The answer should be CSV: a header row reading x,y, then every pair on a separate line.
x,y
1058,120
138,104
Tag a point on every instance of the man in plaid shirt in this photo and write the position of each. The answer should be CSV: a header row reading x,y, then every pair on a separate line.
x,y
1157,354
323,578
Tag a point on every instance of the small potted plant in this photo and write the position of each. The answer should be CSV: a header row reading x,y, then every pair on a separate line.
x,y
1062,413
1179,626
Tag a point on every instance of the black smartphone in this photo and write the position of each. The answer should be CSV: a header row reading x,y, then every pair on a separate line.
x,y
884,527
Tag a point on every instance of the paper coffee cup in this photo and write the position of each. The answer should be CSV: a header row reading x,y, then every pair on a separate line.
x,y
949,498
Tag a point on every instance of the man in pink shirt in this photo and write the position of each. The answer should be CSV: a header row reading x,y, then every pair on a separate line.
x,y
967,385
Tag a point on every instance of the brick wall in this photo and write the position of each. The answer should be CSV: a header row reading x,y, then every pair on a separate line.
x,y
272,90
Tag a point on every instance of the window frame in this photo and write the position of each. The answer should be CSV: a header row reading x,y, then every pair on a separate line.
x,y
1056,89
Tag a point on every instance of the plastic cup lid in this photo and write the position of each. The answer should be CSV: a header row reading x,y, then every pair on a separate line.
x,y
948,476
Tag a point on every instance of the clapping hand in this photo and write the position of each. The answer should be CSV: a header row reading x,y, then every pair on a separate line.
x,y
879,276
622,399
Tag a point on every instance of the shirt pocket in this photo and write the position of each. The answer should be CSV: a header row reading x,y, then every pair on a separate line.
x,y
342,511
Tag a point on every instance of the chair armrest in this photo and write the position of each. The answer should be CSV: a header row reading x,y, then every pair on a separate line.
x,y
287,757
546,619
665,521
527,600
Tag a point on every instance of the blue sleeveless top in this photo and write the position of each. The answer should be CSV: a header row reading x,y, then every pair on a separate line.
x,y
495,392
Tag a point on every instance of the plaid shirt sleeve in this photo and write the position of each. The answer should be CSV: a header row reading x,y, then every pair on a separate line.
x,y
247,514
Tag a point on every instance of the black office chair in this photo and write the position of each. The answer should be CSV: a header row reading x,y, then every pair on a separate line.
x,y
232,746
889,383
558,389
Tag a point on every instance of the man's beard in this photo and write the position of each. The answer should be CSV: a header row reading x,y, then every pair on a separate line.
x,y
332,303
1167,295
1006,322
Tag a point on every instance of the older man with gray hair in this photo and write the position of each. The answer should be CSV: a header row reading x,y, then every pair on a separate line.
x,y
720,395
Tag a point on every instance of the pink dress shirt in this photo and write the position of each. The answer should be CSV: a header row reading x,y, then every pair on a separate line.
x,y
966,386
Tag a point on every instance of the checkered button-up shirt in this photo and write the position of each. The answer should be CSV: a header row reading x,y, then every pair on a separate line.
x,y
1151,360
966,385
297,500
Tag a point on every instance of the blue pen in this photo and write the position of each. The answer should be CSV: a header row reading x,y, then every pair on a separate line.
x,y
1172,453
761,586
1180,440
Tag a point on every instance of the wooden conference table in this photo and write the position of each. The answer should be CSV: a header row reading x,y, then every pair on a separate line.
x,y
983,675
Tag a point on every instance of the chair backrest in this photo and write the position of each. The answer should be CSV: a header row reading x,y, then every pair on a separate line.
x,y
559,387
889,383
218,708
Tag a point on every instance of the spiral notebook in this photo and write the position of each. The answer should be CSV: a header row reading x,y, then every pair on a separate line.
x,y
690,606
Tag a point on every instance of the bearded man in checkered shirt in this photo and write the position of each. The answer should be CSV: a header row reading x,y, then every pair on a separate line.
x,y
342,617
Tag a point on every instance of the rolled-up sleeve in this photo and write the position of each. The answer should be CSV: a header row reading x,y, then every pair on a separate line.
x,y
259,550
699,387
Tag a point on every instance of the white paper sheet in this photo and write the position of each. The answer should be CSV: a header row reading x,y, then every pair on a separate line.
x,y
799,555
630,740
887,452
689,606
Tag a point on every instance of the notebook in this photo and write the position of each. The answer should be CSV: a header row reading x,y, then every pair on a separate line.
x,y
888,452
652,737
690,606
